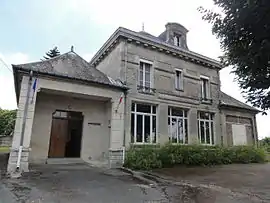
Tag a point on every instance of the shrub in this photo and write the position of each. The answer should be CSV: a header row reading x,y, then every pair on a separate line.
x,y
145,158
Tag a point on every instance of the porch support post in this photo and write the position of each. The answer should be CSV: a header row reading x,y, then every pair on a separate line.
x,y
116,133
18,130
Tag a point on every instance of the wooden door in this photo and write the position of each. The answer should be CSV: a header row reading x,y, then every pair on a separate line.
x,y
58,139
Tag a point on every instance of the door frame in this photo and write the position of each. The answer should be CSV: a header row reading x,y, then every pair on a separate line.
x,y
81,118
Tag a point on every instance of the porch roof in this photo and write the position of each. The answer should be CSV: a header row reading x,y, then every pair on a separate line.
x,y
228,101
71,66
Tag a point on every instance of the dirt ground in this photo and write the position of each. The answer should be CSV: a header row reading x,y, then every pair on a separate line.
x,y
251,180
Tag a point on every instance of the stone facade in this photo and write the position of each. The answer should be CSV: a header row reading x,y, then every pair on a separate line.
x,y
133,48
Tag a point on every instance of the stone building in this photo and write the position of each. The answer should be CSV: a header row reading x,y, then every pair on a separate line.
x,y
137,89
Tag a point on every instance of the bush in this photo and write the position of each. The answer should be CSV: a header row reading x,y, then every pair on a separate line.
x,y
148,157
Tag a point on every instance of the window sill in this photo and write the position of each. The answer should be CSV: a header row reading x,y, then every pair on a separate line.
x,y
206,101
144,90
180,90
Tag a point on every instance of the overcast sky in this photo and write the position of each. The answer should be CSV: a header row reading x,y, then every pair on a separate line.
x,y
30,28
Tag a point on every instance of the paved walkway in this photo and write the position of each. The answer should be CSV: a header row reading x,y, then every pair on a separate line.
x,y
79,183
251,181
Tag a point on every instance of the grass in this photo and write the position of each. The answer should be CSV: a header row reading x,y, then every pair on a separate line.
x,y
4,149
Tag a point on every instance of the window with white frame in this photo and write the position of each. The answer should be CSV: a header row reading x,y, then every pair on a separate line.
x,y
178,79
145,76
206,127
205,88
177,40
143,123
178,125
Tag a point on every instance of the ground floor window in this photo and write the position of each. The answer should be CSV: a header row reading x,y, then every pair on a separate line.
x,y
206,128
178,125
143,123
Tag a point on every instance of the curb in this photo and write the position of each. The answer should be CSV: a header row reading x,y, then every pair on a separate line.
x,y
139,176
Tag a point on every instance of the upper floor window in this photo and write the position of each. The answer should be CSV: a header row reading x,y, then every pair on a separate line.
x,y
143,123
206,127
178,125
178,79
177,40
145,76
205,88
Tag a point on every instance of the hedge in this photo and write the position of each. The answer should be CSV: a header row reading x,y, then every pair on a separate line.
x,y
149,157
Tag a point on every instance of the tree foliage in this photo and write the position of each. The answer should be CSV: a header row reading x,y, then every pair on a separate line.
x,y
52,53
7,121
243,27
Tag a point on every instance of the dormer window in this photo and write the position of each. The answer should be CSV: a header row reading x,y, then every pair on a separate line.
x,y
177,40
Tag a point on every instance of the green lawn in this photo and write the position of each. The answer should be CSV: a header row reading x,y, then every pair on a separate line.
x,y
4,149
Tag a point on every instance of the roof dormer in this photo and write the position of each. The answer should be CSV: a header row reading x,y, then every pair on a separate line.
x,y
175,34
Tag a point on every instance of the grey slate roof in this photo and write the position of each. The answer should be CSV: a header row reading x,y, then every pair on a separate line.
x,y
69,65
227,100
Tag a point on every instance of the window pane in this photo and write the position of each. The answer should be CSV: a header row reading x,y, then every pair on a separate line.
x,y
141,66
132,127
186,131
180,132
177,112
133,107
147,77
154,129
202,132
154,109
147,67
139,128
144,108
186,112
169,128
174,130
204,115
147,129
207,132
212,130
141,78
147,84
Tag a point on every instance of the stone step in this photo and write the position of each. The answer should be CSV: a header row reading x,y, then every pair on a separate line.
x,y
64,161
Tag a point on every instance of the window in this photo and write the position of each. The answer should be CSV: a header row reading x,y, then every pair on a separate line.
x,y
145,76
143,123
178,125
206,128
205,88
177,40
178,80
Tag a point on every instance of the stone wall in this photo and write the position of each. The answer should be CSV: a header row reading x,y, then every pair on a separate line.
x,y
115,158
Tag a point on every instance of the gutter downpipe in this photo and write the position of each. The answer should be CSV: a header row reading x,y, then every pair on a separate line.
x,y
125,103
24,120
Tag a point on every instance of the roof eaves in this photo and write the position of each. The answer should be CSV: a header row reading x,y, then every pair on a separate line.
x,y
222,104
26,70
139,37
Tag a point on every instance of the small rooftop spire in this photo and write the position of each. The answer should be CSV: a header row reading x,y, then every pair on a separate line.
x,y
143,26
72,48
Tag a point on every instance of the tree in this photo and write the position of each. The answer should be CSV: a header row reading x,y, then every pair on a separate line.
x,y
52,53
7,121
243,28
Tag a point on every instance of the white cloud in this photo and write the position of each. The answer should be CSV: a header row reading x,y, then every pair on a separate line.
x,y
7,91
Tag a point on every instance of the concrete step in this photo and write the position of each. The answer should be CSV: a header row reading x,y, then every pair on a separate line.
x,y
65,161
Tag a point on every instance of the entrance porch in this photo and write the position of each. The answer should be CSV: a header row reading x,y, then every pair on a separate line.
x,y
69,120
